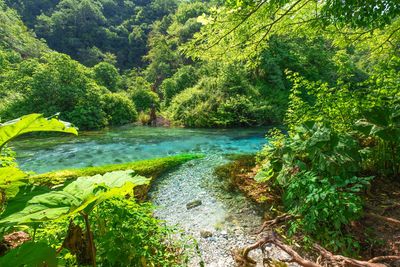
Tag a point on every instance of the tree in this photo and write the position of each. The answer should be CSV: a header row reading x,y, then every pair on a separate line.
x,y
246,26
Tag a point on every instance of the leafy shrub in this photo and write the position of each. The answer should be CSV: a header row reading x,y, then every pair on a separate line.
x,y
242,111
313,146
325,205
56,83
126,234
119,109
192,108
316,168
317,101
184,78
222,101
88,112
144,118
144,99
106,75
382,124
129,235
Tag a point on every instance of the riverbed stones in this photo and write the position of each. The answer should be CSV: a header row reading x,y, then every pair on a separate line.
x,y
175,190
193,204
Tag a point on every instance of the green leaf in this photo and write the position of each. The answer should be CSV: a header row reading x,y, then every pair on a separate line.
x,y
32,123
10,180
80,195
264,176
30,254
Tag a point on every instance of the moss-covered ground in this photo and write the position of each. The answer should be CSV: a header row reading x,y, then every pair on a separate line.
x,y
151,168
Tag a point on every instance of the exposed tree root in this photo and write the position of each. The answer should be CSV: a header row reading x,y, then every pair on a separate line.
x,y
387,220
391,207
326,258
272,238
279,219
338,260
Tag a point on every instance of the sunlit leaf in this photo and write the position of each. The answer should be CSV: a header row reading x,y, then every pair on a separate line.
x,y
30,254
81,195
32,123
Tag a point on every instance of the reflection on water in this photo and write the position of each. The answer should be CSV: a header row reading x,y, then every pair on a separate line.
x,y
131,143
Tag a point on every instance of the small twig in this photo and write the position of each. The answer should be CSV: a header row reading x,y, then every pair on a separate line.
x,y
279,219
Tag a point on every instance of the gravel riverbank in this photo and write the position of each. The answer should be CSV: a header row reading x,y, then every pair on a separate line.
x,y
194,199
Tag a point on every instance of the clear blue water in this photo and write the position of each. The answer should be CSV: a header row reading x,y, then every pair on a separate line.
x,y
129,144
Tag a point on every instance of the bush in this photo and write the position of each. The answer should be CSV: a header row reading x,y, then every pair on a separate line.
x,y
220,102
106,75
125,234
316,168
128,235
192,108
144,99
88,113
119,109
184,78
325,205
56,83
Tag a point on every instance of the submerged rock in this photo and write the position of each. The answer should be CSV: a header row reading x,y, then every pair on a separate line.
x,y
205,234
193,204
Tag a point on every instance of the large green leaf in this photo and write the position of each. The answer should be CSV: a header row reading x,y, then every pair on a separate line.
x,y
80,195
30,254
32,123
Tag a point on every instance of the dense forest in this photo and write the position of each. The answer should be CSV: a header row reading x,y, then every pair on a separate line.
x,y
323,76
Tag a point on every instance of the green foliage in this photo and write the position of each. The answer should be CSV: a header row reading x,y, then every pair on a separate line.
x,y
15,36
225,99
316,168
90,30
327,151
339,106
106,75
55,83
383,125
185,77
144,99
32,123
368,14
129,235
325,205
7,158
30,254
79,196
241,30
88,113
119,108
313,146
11,177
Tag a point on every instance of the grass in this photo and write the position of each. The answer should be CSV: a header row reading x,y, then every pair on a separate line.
x,y
151,168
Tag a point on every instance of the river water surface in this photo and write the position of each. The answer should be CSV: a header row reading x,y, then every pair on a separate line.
x,y
222,220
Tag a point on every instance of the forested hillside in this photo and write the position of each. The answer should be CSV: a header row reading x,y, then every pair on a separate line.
x,y
91,31
322,76
138,50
